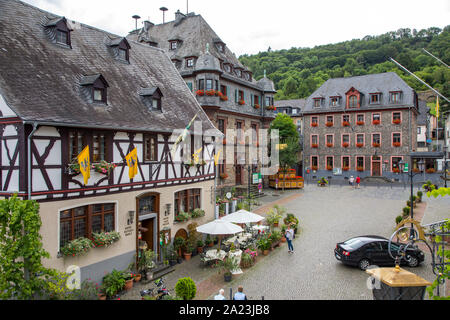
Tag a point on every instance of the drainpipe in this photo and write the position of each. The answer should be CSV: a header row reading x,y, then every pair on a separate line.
x,y
30,158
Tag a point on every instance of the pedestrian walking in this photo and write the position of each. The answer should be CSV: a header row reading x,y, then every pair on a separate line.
x,y
358,181
351,181
289,237
220,296
240,295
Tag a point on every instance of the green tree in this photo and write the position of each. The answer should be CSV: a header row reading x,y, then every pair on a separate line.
x,y
22,274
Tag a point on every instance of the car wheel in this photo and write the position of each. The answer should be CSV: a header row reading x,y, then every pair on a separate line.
x,y
412,261
364,264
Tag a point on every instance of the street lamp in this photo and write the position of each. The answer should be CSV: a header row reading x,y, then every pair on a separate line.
x,y
411,174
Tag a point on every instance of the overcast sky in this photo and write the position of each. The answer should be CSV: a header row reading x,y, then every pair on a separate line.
x,y
251,26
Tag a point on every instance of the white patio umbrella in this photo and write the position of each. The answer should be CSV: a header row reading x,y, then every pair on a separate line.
x,y
219,227
243,216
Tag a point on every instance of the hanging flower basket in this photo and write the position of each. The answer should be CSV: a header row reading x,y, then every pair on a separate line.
x,y
104,167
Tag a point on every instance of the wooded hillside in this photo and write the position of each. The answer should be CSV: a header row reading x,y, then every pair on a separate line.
x,y
298,72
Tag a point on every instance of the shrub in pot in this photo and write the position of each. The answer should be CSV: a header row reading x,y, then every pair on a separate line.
x,y
188,248
398,219
113,283
200,246
185,288
179,243
227,265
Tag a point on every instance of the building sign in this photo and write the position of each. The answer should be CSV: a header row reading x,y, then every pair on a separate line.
x,y
128,231
256,178
406,169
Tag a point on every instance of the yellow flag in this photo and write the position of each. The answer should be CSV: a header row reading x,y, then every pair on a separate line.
x,y
196,156
437,107
85,164
132,162
216,157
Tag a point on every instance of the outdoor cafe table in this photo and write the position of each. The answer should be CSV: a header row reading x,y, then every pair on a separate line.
x,y
214,255
241,238
261,228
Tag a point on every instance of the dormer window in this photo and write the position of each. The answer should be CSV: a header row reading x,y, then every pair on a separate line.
x,y
190,62
238,72
317,102
152,98
335,101
375,98
173,45
227,67
95,87
58,31
120,49
395,96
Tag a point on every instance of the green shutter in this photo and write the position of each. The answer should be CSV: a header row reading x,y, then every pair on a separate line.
x,y
253,100
236,95
189,84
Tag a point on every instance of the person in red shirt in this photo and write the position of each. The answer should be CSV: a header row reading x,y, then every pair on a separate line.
x,y
358,181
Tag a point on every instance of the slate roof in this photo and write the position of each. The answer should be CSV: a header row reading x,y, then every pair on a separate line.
x,y
40,80
372,83
294,103
195,34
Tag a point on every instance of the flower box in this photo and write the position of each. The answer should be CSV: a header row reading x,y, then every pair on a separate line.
x,y
77,247
396,144
396,170
272,108
314,145
375,145
345,124
397,121
360,123
430,170
329,145
360,169
256,106
376,122
104,167
241,102
329,168
210,93
329,124
223,97
345,144
314,168
200,92
314,124
345,168
105,239
360,145
415,170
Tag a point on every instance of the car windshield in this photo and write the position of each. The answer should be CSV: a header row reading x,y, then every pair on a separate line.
x,y
354,243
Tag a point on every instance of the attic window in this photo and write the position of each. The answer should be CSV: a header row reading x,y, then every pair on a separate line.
x,y
58,31
95,87
238,72
189,62
173,45
120,49
152,98
227,67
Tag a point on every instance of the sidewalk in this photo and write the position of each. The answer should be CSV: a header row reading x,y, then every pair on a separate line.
x,y
207,279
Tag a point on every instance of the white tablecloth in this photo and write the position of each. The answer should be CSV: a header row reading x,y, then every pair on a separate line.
x,y
261,228
214,255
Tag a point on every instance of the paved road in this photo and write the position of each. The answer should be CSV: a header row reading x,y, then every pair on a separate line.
x,y
327,216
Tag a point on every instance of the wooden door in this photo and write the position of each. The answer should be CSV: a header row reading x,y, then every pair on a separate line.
x,y
238,174
148,235
376,168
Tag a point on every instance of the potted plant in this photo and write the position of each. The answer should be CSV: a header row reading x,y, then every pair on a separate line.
x,y
264,244
172,256
283,232
322,182
227,265
246,260
187,253
179,243
275,238
113,283
292,220
200,245
419,196
129,277
273,218
208,241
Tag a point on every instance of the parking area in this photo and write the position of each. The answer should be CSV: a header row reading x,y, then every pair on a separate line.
x,y
327,216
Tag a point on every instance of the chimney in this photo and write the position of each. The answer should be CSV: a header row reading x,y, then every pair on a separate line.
x,y
148,25
179,15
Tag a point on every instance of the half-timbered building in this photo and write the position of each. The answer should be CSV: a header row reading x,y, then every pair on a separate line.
x,y
64,86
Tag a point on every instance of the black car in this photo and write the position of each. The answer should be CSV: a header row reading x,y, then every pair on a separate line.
x,y
364,251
